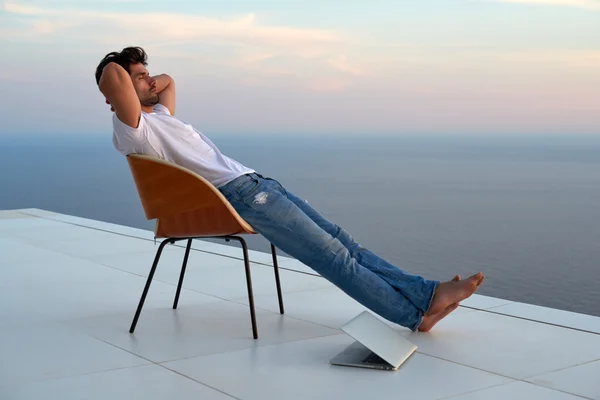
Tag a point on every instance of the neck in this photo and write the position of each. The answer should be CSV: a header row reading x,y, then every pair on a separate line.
x,y
147,109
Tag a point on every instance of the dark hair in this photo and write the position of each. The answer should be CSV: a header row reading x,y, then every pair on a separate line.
x,y
128,56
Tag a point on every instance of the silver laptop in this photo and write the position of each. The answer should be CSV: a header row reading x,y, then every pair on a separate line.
x,y
377,345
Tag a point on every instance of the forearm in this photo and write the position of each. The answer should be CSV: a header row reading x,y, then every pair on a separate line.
x,y
162,81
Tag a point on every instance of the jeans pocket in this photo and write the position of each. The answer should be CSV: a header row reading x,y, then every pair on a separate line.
x,y
248,188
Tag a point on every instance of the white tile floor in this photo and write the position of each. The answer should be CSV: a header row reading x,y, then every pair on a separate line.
x,y
70,287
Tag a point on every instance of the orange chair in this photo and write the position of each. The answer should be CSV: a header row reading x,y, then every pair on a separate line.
x,y
187,206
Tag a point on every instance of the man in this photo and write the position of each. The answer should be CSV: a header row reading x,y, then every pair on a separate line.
x,y
144,122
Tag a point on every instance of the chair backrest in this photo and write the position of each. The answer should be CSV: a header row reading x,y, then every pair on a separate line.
x,y
167,189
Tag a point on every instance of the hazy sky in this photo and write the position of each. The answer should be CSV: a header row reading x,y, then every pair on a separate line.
x,y
313,66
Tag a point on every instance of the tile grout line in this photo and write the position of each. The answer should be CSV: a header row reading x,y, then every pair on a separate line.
x,y
560,391
197,381
150,362
468,366
555,390
562,369
258,346
474,391
76,375
510,383
524,379
491,311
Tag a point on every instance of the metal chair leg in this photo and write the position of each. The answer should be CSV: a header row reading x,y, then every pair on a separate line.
x,y
148,282
276,268
249,284
185,259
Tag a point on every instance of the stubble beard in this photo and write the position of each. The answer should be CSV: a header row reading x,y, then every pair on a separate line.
x,y
150,100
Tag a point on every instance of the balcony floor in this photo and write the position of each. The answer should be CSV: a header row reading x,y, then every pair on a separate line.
x,y
71,285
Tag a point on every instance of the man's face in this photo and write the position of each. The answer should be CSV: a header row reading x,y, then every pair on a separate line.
x,y
144,84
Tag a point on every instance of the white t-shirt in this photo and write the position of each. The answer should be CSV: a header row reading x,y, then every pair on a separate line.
x,y
164,136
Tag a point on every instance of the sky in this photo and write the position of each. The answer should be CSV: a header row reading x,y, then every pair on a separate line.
x,y
340,67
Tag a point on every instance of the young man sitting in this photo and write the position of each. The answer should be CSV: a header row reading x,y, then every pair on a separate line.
x,y
144,122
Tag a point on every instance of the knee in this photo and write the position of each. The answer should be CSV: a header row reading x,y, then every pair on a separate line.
x,y
347,240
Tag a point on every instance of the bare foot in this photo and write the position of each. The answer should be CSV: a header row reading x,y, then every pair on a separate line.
x,y
430,320
455,291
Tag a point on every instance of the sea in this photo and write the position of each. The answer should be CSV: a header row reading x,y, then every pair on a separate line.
x,y
523,209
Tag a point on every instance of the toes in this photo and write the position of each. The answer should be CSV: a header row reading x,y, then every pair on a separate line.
x,y
477,278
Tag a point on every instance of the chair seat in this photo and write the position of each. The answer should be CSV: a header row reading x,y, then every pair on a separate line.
x,y
212,221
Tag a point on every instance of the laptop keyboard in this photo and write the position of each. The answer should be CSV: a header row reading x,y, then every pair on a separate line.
x,y
374,359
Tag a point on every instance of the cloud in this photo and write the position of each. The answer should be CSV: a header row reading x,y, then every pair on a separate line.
x,y
585,4
572,60
237,42
341,63
177,26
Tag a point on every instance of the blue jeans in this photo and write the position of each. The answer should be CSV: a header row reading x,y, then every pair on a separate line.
x,y
292,225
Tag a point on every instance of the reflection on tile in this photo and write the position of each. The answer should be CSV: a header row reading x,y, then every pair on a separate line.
x,y
582,380
146,382
192,330
301,370
508,346
49,351
552,316
515,391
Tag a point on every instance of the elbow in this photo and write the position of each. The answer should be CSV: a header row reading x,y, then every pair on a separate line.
x,y
110,73
113,76
168,79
